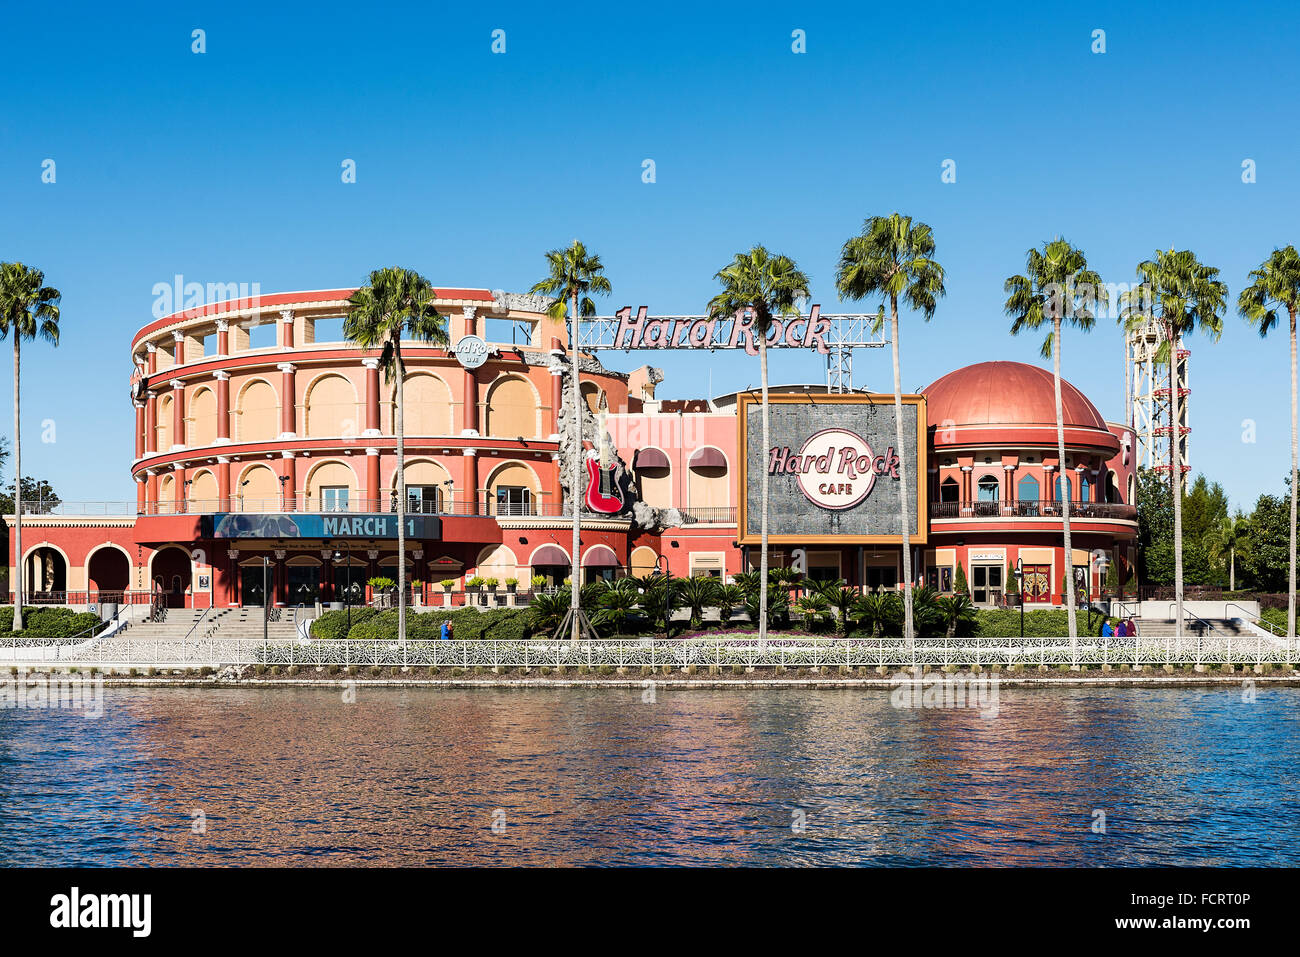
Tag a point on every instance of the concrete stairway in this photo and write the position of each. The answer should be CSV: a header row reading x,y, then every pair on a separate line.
x,y
1213,627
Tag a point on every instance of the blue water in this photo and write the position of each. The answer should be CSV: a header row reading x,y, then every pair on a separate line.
x,y
1183,776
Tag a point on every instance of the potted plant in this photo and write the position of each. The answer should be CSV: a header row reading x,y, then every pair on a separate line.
x,y
382,586
490,591
417,592
539,582
511,585
447,585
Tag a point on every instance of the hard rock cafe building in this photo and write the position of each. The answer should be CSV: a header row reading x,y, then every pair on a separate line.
x,y
264,451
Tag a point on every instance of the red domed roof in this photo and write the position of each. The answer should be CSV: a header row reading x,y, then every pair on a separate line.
x,y
1009,394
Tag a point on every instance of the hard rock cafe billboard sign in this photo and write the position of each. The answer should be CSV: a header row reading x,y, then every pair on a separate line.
x,y
833,469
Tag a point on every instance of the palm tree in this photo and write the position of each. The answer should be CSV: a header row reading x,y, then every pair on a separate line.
x,y
1059,288
894,258
1180,294
1277,283
762,285
396,303
574,273
698,592
840,597
1223,542
28,308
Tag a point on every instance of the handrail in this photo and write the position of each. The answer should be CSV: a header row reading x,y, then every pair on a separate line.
x,y
1258,620
197,622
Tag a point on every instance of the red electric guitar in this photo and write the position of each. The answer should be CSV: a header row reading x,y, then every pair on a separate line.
x,y
603,493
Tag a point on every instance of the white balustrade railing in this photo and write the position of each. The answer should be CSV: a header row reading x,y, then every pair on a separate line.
x,y
209,649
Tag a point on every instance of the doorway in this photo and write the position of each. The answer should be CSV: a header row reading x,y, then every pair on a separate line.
x,y
986,584
251,589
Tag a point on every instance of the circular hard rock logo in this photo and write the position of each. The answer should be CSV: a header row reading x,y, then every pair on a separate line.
x,y
471,351
837,469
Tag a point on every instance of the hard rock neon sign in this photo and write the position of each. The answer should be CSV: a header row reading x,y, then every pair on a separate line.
x,y
835,468
688,332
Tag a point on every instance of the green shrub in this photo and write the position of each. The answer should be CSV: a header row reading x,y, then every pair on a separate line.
x,y
1044,623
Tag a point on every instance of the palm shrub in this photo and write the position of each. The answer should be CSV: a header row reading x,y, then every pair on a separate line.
x,y
814,608
616,607
870,611
729,596
698,592
840,597
956,610
545,612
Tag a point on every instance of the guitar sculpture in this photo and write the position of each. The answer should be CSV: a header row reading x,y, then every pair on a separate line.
x,y
603,493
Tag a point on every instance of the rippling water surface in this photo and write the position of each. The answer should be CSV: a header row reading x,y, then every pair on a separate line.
x,y
1184,776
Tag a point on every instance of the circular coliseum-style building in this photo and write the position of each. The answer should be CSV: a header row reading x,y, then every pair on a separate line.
x,y
264,450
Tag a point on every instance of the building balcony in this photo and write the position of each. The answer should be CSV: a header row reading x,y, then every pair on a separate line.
x,y
1032,508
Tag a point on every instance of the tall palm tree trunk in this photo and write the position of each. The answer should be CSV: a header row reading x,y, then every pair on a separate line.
x,y
909,633
1065,484
576,395
1295,454
1176,482
401,494
17,494
763,482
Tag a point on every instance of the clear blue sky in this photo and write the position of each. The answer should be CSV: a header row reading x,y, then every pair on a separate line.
x,y
225,167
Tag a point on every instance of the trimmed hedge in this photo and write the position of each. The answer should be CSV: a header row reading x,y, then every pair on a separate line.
x,y
46,622
1042,623
507,624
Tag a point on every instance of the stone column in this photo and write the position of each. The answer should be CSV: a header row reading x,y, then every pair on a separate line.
x,y
372,396
151,491
153,357
286,327
139,429
469,383
223,407
370,493
141,497
223,484
288,401
223,338
178,414
470,481
288,488
557,397
182,490
151,422
178,350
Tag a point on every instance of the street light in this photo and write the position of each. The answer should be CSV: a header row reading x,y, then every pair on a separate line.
x,y
347,591
668,580
1020,588
266,610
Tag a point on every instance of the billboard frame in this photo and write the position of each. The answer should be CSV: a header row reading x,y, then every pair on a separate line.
x,y
750,398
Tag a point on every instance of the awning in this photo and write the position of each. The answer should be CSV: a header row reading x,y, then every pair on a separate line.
x,y
600,556
550,555
708,458
651,459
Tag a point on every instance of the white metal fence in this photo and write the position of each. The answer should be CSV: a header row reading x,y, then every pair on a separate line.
x,y
721,651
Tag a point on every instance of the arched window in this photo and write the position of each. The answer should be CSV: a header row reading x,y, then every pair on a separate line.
x,y
988,489
1066,497
1112,493
1085,488
948,490
512,410
1027,490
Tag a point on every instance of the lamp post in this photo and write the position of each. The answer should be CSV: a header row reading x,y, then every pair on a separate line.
x,y
1020,587
668,581
266,608
347,591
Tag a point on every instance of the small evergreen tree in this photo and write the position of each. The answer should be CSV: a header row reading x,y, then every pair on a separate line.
x,y
959,586
1112,578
